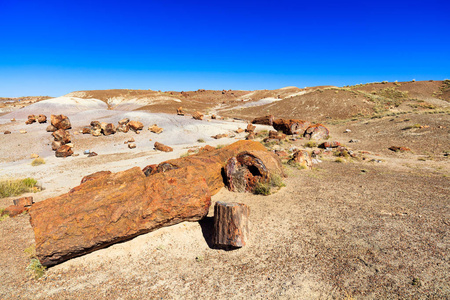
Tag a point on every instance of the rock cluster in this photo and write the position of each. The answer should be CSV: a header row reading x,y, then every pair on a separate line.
x,y
32,119
61,137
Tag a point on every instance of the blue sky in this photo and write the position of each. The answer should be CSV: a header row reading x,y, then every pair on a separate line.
x,y
55,47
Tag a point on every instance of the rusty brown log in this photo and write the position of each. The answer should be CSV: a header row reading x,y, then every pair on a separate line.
x,y
266,120
290,126
230,225
115,208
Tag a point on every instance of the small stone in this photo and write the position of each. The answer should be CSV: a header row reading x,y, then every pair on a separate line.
x,y
7,132
34,155
131,145
155,129
22,131
92,154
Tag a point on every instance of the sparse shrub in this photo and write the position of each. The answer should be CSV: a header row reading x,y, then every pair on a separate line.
x,y
220,146
200,141
3,217
31,251
262,189
413,126
38,161
184,155
339,160
16,187
276,181
311,144
36,268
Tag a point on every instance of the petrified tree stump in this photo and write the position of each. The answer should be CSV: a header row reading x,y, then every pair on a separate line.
x,y
230,224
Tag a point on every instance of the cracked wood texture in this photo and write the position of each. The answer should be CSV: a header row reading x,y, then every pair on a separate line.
x,y
114,208
230,224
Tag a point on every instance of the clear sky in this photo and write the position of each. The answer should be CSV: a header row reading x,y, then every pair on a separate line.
x,y
55,47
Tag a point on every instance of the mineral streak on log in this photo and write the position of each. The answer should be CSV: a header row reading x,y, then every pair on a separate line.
x,y
114,208
230,224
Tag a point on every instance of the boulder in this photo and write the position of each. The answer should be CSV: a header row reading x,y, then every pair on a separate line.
x,y
115,208
86,130
94,176
51,128
155,129
60,122
291,126
135,125
56,145
64,151
317,132
248,168
42,119
62,136
198,115
266,120
108,129
302,158
161,147
124,121
122,128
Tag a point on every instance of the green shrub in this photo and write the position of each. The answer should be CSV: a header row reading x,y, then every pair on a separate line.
x,y
311,144
16,187
200,141
262,189
36,268
3,217
276,181
38,161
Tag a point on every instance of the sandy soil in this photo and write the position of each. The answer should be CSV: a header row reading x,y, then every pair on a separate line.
x,y
354,230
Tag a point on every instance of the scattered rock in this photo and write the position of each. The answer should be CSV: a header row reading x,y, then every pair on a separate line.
x,y
354,141
302,158
317,132
332,144
34,155
60,122
399,149
7,132
56,145
198,115
24,201
250,136
20,206
13,120
250,128
135,125
130,140
239,130
42,119
91,154
51,128
155,129
180,111
64,151
86,130
108,129
31,119
62,136
219,136
22,131
347,131
123,128
276,135
213,117
161,147
124,121
131,145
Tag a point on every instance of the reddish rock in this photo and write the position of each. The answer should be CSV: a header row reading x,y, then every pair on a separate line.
x,y
198,115
317,132
281,154
115,208
250,136
302,158
266,120
209,164
122,128
180,111
399,149
230,225
207,148
291,126
62,136
133,145
42,119
248,168
51,128
124,121
332,144
135,125
155,129
108,129
161,147
250,128
24,201
91,154
14,210
219,136
60,122
239,130
31,119
213,117
86,130
276,135
64,151
94,176
150,169
7,132
56,145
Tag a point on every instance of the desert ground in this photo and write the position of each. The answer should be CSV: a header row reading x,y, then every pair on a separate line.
x,y
375,226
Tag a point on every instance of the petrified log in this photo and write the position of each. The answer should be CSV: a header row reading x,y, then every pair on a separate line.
x,y
250,128
20,205
51,128
42,119
86,130
332,144
60,122
31,119
276,135
62,136
155,129
266,120
248,168
94,176
317,132
162,147
135,125
56,145
115,208
123,128
302,158
198,115
108,129
291,126
124,121
209,164
180,111
230,224
64,151
219,136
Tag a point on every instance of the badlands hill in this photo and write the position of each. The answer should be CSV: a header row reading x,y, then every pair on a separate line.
x,y
371,225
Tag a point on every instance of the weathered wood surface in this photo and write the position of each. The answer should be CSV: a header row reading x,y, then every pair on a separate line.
x,y
266,120
230,225
113,208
